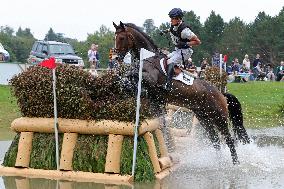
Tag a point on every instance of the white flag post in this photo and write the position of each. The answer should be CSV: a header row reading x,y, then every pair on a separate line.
x,y
55,118
221,62
143,55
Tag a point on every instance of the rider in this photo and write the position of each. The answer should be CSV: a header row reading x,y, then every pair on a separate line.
x,y
183,38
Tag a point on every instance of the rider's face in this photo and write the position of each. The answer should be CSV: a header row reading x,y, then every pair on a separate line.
x,y
175,21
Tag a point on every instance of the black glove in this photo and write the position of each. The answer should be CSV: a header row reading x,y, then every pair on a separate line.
x,y
182,45
163,32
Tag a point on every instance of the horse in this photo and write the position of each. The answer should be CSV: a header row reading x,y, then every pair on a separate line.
x,y
212,108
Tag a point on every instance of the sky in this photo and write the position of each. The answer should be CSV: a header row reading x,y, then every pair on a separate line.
x,y
77,19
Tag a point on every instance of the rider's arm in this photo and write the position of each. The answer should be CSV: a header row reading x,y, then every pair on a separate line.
x,y
193,39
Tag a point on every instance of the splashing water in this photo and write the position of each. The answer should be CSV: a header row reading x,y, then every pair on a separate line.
x,y
201,166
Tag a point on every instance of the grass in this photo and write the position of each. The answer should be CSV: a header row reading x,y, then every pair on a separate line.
x,y
261,102
8,112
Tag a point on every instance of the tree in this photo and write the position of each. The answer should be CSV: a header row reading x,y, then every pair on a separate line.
x,y
7,30
212,32
149,26
51,35
264,37
162,41
24,33
233,42
194,22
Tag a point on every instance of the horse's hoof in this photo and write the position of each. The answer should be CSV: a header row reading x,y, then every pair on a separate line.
x,y
236,162
217,146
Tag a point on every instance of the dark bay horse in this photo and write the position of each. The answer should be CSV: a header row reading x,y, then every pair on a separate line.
x,y
212,108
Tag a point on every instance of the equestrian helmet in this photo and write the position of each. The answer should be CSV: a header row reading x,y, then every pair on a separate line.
x,y
176,13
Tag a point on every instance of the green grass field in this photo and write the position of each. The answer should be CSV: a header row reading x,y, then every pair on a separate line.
x,y
260,101
8,112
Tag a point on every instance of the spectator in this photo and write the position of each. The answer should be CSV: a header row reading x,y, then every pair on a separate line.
x,y
204,65
280,72
269,73
188,63
246,62
191,68
216,59
92,54
236,66
256,61
98,65
244,69
258,72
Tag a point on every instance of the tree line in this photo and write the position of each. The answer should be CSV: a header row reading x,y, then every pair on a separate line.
x,y
235,38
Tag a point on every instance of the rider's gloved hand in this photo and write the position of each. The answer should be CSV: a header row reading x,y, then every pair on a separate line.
x,y
163,32
182,45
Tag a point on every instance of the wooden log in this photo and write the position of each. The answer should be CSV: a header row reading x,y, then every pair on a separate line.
x,y
160,176
104,127
165,162
67,151
77,176
24,149
162,144
152,152
113,153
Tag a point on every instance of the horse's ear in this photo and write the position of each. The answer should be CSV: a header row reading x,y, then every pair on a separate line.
x,y
115,25
121,25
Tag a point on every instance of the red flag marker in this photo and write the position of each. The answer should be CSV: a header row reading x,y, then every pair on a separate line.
x,y
49,63
225,58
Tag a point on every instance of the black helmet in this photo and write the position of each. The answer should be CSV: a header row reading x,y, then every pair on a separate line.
x,y
176,12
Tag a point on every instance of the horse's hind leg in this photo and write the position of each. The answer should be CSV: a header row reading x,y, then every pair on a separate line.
x,y
211,133
223,128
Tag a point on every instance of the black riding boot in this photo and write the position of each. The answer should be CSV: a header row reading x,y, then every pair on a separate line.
x,y
170,73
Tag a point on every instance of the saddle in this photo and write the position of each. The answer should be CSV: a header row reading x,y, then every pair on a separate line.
x,y
179,73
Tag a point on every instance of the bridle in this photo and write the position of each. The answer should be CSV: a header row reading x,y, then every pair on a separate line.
x,y
129,46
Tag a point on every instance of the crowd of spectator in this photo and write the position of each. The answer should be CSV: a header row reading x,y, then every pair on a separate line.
x,y
255,70
245,71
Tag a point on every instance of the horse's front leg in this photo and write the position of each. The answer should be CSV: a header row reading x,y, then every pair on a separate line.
x,y
166,122
149,78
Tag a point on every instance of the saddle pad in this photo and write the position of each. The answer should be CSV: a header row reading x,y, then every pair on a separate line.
x,y
183,77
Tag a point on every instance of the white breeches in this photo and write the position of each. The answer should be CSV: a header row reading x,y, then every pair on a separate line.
x,y
176,56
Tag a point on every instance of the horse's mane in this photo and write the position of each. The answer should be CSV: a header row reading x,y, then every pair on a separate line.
x,y
133,26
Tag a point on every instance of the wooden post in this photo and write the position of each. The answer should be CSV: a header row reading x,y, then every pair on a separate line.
x,y
152,152
67,151
113,153
24,150
162,144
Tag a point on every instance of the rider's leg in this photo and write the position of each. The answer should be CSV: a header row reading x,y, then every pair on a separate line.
x,y
170,74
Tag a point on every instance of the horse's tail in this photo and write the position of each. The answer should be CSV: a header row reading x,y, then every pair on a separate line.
x,y
236,116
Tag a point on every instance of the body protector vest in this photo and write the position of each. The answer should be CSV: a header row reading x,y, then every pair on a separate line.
x,y
176,35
